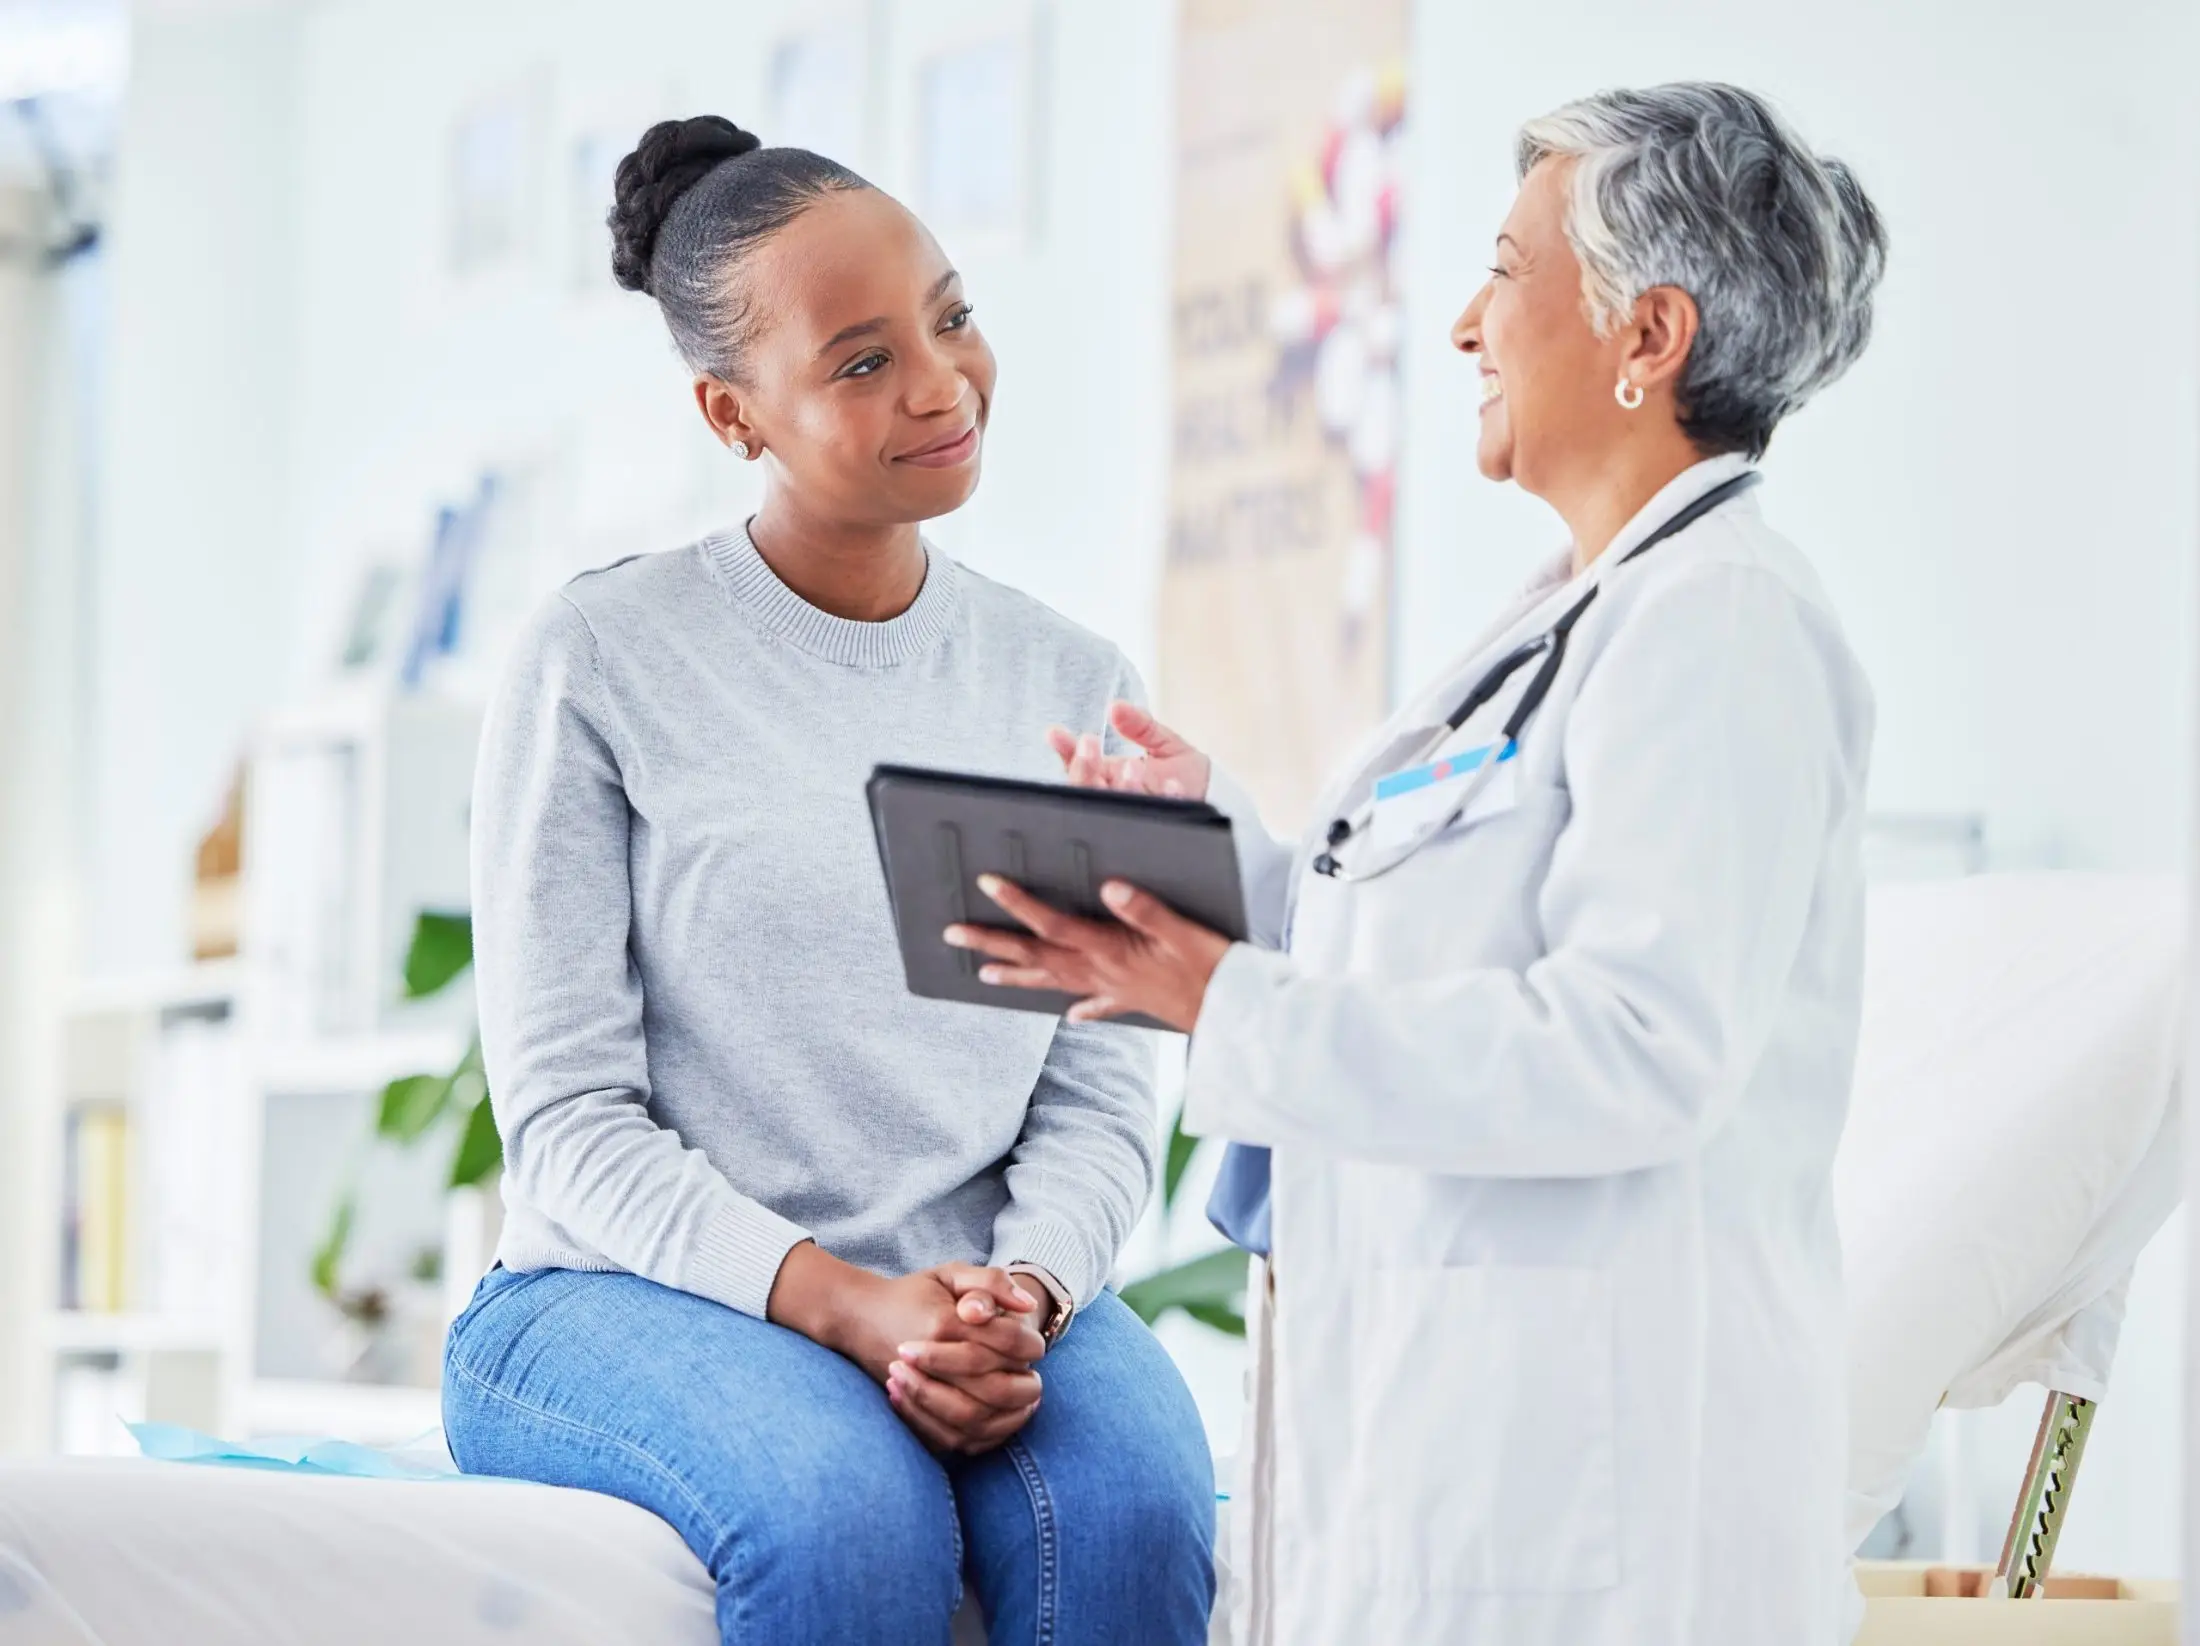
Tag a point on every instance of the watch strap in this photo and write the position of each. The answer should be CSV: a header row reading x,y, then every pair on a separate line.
x,y
1065,1306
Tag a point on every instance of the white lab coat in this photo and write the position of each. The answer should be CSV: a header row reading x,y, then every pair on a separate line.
x,y
1553,1351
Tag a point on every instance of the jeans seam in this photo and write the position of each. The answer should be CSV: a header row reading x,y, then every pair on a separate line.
x,y
718,1531
1042,1514
955,1532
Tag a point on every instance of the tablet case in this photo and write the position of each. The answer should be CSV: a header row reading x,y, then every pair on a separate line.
x,y
938,831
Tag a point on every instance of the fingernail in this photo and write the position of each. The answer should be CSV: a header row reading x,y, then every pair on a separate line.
x,y
910,1351
954,938
1115,894
989,974
896,1372
989,883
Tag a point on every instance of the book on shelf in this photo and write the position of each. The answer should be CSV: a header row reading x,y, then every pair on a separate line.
x,y
92,1398
189,1243
95,1234
301,898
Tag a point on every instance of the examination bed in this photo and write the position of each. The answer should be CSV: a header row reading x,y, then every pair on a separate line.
x,y
2013,1145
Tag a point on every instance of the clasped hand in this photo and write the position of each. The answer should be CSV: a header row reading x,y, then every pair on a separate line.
x,y
955,1346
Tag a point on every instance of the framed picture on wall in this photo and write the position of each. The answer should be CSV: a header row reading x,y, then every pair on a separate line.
x,y
596,134
975,107
818,91
489,184
592,164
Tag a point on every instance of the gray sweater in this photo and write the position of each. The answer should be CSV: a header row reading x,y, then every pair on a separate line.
x,y
698,1036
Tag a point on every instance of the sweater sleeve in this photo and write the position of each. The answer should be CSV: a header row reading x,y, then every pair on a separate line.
x,y
1080,1174
561,999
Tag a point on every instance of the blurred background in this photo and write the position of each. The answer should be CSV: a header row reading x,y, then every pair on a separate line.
x,y
313,380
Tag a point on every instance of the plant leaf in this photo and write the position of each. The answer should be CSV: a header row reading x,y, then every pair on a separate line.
x,y
1181,1150
411,1105
1216,1281
480,1151
469,1085
1227,1321
329,1255
442,947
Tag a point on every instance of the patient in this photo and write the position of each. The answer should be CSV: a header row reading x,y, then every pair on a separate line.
x,y
809,1267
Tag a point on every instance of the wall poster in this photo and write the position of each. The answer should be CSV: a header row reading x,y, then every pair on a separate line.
x,y
1275,596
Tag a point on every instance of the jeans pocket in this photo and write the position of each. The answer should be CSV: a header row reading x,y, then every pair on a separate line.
x,y
476,1341
1483,1408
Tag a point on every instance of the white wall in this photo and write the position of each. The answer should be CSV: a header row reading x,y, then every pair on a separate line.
x,y
196,552
22,313
2002,495
48,402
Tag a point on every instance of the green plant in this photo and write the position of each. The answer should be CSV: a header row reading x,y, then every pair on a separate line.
x,y
417,1106
1210,1288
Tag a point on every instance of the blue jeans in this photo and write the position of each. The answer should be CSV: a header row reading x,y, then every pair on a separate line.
x,y
820,1517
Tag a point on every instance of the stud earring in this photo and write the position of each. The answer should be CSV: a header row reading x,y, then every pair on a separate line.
x,y
1627,394
740,449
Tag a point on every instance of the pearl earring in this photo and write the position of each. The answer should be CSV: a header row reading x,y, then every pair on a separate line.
x,y
1627,394
740,449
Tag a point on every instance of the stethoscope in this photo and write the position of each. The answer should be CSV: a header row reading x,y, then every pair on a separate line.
x,y
1550,645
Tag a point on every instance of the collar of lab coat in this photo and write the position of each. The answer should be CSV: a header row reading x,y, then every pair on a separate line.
x,y
1556,583
1672,497
1556,576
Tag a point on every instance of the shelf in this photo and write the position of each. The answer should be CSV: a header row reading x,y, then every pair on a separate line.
x,y
369,1413
355,1063
86,1330
206,983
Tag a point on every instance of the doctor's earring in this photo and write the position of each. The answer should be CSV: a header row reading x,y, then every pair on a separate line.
x,y
740,450
1627,394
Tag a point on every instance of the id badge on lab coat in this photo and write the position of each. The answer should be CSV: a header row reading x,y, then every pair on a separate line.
x,y
1412,802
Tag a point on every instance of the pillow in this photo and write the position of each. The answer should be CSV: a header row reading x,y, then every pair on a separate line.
x,y
2011,1145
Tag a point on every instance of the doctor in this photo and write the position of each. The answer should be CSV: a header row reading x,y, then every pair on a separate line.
x,y
1553,1063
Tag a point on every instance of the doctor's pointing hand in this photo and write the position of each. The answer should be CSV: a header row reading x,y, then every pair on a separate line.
x,y
1548,1024
1149,959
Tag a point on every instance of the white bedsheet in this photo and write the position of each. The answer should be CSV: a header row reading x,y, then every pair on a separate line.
x,y
2013,1141
127,1552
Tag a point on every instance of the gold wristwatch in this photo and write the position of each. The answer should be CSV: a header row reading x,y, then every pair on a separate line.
x,y
1065,1306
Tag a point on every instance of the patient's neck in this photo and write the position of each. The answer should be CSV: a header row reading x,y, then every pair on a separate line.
x,y
867,573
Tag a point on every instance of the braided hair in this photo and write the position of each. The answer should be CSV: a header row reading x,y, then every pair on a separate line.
x,y
689,204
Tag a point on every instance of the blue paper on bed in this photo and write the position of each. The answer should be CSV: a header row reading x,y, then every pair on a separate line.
x,y
298,1454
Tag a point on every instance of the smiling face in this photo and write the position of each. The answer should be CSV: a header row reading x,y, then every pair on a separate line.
x,y
1547,378
868,383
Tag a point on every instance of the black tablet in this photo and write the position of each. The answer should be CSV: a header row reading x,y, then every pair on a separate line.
x,y
939,831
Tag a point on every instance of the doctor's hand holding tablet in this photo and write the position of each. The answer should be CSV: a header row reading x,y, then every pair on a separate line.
x,y
1149,960
1547,1025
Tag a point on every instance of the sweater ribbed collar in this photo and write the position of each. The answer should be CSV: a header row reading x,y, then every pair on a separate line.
x,y
757,590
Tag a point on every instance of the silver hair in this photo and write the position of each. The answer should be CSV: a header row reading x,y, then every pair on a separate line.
x,y
1703,187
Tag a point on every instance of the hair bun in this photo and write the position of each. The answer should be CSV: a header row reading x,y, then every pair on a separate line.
x,y
671,158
